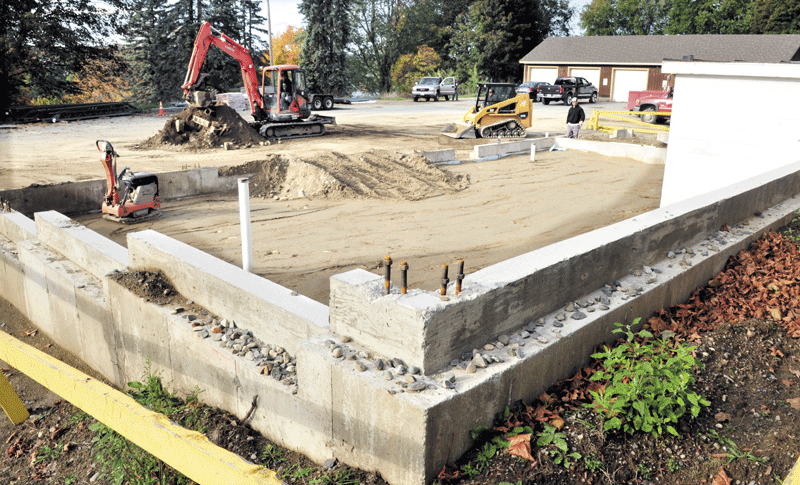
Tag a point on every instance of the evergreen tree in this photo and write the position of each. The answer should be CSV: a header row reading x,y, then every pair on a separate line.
x,y
491,37
44,42
327,34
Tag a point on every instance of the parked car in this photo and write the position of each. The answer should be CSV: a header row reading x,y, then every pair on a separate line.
x,y
433,87
651,101
532,88
565,88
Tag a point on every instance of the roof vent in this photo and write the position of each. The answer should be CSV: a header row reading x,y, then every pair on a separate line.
x,y
688,58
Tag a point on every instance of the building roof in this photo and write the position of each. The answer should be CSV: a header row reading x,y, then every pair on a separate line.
x,y
652,49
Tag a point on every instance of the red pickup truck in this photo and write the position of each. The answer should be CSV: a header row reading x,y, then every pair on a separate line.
x,y
651,101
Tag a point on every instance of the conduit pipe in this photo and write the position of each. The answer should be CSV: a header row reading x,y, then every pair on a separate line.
x,y
244,222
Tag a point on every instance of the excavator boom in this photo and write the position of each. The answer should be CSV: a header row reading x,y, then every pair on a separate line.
x,y
206,37
280,110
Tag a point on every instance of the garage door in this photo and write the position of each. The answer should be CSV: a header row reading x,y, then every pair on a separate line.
x,y
591,75
625,80
545,74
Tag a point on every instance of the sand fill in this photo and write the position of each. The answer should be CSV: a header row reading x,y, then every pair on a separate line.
x,y
208,127
376,174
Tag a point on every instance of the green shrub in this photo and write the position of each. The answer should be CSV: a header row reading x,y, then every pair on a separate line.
x,y
648,384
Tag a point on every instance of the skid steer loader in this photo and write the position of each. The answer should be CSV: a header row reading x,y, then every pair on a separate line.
x,y
498,111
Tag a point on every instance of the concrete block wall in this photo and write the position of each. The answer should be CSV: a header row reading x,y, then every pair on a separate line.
x,y
281,315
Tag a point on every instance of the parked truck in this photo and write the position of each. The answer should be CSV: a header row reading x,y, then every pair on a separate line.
x,y
433,88
655,101
566,88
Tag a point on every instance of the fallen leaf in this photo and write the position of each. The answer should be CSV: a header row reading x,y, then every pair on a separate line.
x,y
520,445
30,333
557,423
722,417
775,352
787,383
721,478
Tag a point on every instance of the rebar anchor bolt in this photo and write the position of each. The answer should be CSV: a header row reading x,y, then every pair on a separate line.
x,y
459,276
387,264
445,280
403,277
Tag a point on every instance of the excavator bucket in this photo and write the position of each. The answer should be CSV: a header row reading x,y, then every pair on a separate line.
x,y
201,99
459,130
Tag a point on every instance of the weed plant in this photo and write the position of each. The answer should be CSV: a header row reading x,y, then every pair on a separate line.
x,y
648,383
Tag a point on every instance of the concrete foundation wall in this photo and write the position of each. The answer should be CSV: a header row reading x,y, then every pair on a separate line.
x,y
91,251
87,195
642,153
343,406
253,302
493,151
505,296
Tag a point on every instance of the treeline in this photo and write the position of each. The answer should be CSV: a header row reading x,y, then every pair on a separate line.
x,y
87,50
648,17
138,50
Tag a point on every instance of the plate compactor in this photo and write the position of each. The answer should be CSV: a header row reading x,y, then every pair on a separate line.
x,y
130,197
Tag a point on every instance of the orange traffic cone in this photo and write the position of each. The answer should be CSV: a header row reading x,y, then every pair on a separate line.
x,y
161,109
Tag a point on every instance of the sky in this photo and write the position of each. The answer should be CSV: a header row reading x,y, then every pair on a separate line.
x,y
285,13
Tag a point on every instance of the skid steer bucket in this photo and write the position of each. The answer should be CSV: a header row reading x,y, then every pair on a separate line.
x,y
458,130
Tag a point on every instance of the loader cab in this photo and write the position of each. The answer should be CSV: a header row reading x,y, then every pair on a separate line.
x,y
285,93
493,93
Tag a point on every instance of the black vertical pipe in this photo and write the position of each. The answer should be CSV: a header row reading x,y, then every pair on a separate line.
x,y
387,264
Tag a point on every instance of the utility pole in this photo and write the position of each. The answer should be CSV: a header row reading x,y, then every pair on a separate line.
x,y
269,28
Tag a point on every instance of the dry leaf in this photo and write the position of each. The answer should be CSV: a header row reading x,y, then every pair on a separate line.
x,y
521,446
721,478
786,383
722,417
30,333
794,402
557,423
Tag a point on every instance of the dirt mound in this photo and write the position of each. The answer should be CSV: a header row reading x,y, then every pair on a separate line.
x,y
205,128
376,174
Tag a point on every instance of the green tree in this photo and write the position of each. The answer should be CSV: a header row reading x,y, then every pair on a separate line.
x,y
410,67
775,17
626,17
709,17
327,34
492,36
44,42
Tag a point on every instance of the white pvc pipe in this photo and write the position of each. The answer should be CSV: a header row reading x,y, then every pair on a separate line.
x,y
244,221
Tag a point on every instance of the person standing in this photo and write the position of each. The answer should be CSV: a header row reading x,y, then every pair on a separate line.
x,y
455,81
575,119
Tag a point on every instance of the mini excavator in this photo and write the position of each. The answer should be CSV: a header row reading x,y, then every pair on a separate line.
x,y
280,107
130,197
498,112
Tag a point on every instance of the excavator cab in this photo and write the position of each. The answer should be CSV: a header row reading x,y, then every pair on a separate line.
x,y
285,93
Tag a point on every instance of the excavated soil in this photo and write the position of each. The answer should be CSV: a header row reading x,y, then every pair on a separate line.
x,y
376,174
209,127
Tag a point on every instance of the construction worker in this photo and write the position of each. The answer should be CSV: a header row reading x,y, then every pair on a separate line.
x,y
575,119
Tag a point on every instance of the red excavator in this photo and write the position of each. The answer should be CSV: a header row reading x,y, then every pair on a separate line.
x,y
130,197
280,107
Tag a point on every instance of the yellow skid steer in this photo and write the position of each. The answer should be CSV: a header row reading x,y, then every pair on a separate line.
x,y
498,111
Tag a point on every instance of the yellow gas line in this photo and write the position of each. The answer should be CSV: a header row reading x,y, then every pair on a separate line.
x,y
189,452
